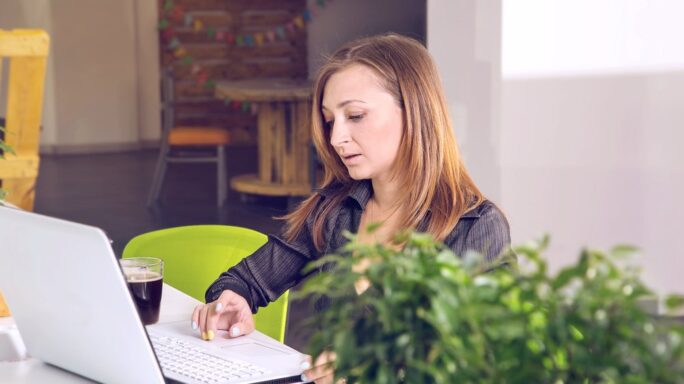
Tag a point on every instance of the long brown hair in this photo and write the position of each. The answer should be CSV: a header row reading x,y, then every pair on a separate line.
x,y
428,165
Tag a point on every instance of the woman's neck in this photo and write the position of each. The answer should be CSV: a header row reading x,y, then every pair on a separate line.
x,y
385,194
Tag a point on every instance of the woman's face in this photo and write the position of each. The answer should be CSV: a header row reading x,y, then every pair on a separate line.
x,y
364,120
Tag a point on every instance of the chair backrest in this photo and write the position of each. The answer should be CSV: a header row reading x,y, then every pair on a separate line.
x,y
167,100
27,51
194,256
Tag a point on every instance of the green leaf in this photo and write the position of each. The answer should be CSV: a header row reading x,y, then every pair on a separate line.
x,y
673,302
624,251
6,148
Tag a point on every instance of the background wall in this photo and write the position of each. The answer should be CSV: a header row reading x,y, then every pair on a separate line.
x,y
31,14
587,138
102,91
568,112
592,126
93,98
344,20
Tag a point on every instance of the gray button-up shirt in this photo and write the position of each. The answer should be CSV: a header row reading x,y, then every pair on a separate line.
x,y
277,265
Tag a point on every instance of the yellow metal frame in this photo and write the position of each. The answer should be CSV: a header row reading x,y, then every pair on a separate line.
x,y
27,51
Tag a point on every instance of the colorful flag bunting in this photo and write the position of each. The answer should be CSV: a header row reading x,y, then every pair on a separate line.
x,y
177,15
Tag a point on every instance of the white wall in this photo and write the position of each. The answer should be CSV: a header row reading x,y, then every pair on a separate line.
x,y
464,37
587,147
592,125
102,80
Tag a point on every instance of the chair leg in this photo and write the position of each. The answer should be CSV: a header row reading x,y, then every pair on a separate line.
x,y
221,174
158,177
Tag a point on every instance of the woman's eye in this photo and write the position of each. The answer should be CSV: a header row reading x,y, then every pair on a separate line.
x,y
355,117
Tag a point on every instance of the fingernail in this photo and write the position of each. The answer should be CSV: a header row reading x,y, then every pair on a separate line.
x,y
235,331
305,365
219,306
210,335
194,325
304,378
204,335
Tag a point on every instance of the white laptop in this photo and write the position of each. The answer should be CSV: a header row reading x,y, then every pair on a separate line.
x,y
71,304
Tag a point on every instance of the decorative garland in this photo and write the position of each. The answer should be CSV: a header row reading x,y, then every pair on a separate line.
x,y
175,14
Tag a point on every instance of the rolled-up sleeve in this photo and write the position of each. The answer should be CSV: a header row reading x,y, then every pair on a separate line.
x,y
271,270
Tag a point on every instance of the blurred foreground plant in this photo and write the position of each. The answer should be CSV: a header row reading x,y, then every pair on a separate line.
x,y
432,317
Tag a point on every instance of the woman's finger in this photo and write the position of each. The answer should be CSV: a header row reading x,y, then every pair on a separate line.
x,y
323,369
194,320
203,321
214,312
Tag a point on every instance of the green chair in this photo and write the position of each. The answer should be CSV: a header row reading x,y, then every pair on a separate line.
x,y
194,256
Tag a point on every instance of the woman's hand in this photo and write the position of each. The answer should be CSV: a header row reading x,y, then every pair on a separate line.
x,y
323,370
230,312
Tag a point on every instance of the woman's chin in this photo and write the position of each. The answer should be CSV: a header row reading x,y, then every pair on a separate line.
x,y
357,174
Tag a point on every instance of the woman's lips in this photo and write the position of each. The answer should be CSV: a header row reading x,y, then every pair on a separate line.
x,y
351,159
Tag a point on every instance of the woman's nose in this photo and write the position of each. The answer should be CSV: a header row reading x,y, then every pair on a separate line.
x,y
339,134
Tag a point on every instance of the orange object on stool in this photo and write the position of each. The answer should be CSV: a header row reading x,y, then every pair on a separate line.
x,y
201,136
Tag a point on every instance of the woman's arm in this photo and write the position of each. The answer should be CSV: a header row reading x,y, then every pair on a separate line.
x,y
263,276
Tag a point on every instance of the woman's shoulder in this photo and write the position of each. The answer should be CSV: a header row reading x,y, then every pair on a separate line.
x,y
485,209
486,216
484,229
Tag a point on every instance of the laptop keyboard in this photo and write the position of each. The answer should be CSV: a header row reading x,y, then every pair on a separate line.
x,y
187,360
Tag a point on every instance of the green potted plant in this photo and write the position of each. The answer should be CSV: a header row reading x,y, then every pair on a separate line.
x,y
432,317
4,148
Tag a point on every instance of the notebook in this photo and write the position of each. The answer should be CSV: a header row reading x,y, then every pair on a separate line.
x,y
73,309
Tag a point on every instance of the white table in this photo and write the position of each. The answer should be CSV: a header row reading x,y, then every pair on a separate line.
x,y
175,306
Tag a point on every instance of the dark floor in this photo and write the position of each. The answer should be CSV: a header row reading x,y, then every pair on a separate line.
x,y
109,191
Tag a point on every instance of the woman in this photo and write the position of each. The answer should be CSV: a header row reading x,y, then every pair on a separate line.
x,y
381,126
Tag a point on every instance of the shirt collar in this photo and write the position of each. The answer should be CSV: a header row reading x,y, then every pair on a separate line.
x,y
361,191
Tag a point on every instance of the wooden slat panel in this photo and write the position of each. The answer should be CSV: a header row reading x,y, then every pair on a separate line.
x,y
218,121
277,149
28,51
266,122
214,19
201,4
19,167
21,192
240,5
301,141
289,132
226,61
221,70
1,63
24,42
266,19
187,35
217,50
24,103
204,106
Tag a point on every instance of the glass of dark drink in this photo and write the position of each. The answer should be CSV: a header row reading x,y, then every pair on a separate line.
x,y
144,276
